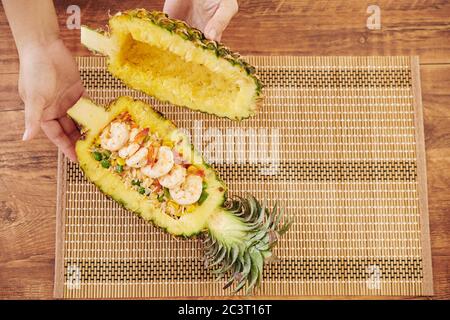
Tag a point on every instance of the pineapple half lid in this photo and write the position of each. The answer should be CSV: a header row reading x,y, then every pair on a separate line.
x,y
173,62
238,233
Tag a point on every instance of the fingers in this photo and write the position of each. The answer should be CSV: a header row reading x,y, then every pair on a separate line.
x,y
227,9
55,132
68,98
176,9
69,128
33,115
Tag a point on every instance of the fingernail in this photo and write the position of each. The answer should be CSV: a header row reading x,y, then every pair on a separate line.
x,y
25,135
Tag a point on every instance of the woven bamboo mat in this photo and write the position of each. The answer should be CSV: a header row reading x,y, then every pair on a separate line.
x,y
339,143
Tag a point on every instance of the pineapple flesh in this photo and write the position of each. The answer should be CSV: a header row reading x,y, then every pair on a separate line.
x,y
238,233
174,62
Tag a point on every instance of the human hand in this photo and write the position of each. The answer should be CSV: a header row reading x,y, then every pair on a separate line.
x,y
49,84
210,16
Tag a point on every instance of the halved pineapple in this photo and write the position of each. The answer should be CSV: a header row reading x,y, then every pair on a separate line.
x,y
173,62
239,233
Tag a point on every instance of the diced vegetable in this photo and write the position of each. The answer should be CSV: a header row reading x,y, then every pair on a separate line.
x,y
135,182
191,208
97,156
191,170
105,163
168,143
166,193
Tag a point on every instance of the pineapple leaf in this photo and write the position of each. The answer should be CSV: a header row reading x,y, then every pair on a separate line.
x,y
243,235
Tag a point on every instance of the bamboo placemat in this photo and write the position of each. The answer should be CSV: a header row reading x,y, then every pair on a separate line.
x,y
345,157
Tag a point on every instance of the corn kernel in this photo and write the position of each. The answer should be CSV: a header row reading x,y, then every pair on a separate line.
x,y
168,143
191,208
192,170
174,205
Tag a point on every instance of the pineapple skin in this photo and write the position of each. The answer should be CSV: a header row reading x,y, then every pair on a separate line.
x,y
92,119
194,35
201,74
197,37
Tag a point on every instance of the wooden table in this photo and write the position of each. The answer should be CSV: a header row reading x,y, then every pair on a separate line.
x,y
269,27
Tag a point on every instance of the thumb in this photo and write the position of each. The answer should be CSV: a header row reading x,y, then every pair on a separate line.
x,y
227,9
33,115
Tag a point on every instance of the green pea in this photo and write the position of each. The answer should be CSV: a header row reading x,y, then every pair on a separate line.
x,y
119,168
141,190
166,193
161,197
97,155
135,182
106,164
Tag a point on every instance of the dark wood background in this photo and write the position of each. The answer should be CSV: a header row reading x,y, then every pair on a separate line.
x,y
268,27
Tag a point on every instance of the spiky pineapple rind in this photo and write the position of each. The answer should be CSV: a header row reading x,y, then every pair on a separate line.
x,y
98,42
91,167
197,37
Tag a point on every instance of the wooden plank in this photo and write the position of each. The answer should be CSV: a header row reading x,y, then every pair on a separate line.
x,y
436,97
9,95
58,286
441,275
277,27
27,212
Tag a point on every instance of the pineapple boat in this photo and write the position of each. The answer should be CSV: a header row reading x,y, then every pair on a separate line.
x,y
174,62
141,160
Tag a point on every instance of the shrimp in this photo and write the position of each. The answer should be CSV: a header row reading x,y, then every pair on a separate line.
x,y
162,166
138,160
134,144
115,136
189,191
128,150
133,134
174,178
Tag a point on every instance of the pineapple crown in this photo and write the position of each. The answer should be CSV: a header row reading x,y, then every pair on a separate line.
x,y
244,254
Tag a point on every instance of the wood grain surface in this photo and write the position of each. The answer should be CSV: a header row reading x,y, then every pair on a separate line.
x,y
265,27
